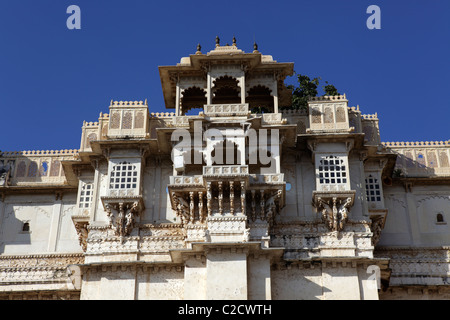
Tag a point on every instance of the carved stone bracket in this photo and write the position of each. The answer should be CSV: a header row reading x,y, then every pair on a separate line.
x,y
377,225
81,222
334,207
122,213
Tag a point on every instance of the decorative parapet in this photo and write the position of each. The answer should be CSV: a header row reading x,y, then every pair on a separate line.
x,y
298,117
226,110
36,166
162,114
65,152
329,98
89,132
421,158
370,127
273,118
128,119
407,144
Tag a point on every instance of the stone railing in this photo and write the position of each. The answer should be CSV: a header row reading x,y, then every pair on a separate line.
x,y
274,178
225,170
225,110
329,98
186,180
272,118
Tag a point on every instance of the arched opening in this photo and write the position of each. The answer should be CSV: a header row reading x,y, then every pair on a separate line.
x,y
193,98
259,99
226,90
226,152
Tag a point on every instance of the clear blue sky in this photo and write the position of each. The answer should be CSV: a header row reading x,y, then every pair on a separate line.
x,y
53,78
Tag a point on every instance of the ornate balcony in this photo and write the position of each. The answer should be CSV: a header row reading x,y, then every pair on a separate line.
x,y
128,119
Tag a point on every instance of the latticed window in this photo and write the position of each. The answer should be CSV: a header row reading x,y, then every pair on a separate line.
x,y
86,195
123,176
332,170
373,192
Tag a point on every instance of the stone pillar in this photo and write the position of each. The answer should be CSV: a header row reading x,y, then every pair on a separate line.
x,y
177,100
195,278
95,190
54,226
226,274
242,83
340,281
275,98
259,285
109,282
413,221
208,89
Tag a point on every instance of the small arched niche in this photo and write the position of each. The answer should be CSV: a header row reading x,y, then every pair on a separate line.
x,y
194,98
260,99
225,90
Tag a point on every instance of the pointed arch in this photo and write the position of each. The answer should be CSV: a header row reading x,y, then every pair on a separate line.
x,y
260,99
226,90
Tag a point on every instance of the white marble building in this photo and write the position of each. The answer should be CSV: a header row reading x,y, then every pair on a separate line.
x,y
245,200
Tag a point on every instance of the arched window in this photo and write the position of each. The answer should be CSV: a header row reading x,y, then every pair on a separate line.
x,y
32,169
260,99
26,226
43,170
193,98
226,152
440,218
21,168
226,90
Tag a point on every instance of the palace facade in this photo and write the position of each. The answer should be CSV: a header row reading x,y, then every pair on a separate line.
x,y
244,199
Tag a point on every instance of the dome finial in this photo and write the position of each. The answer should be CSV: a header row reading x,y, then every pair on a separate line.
x,y
217,41
255,47
199,48
234,41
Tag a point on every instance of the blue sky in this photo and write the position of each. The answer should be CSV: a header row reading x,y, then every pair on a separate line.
x,y
53,78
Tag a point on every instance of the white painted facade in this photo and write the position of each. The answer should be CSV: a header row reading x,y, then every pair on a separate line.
x,y
323,210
